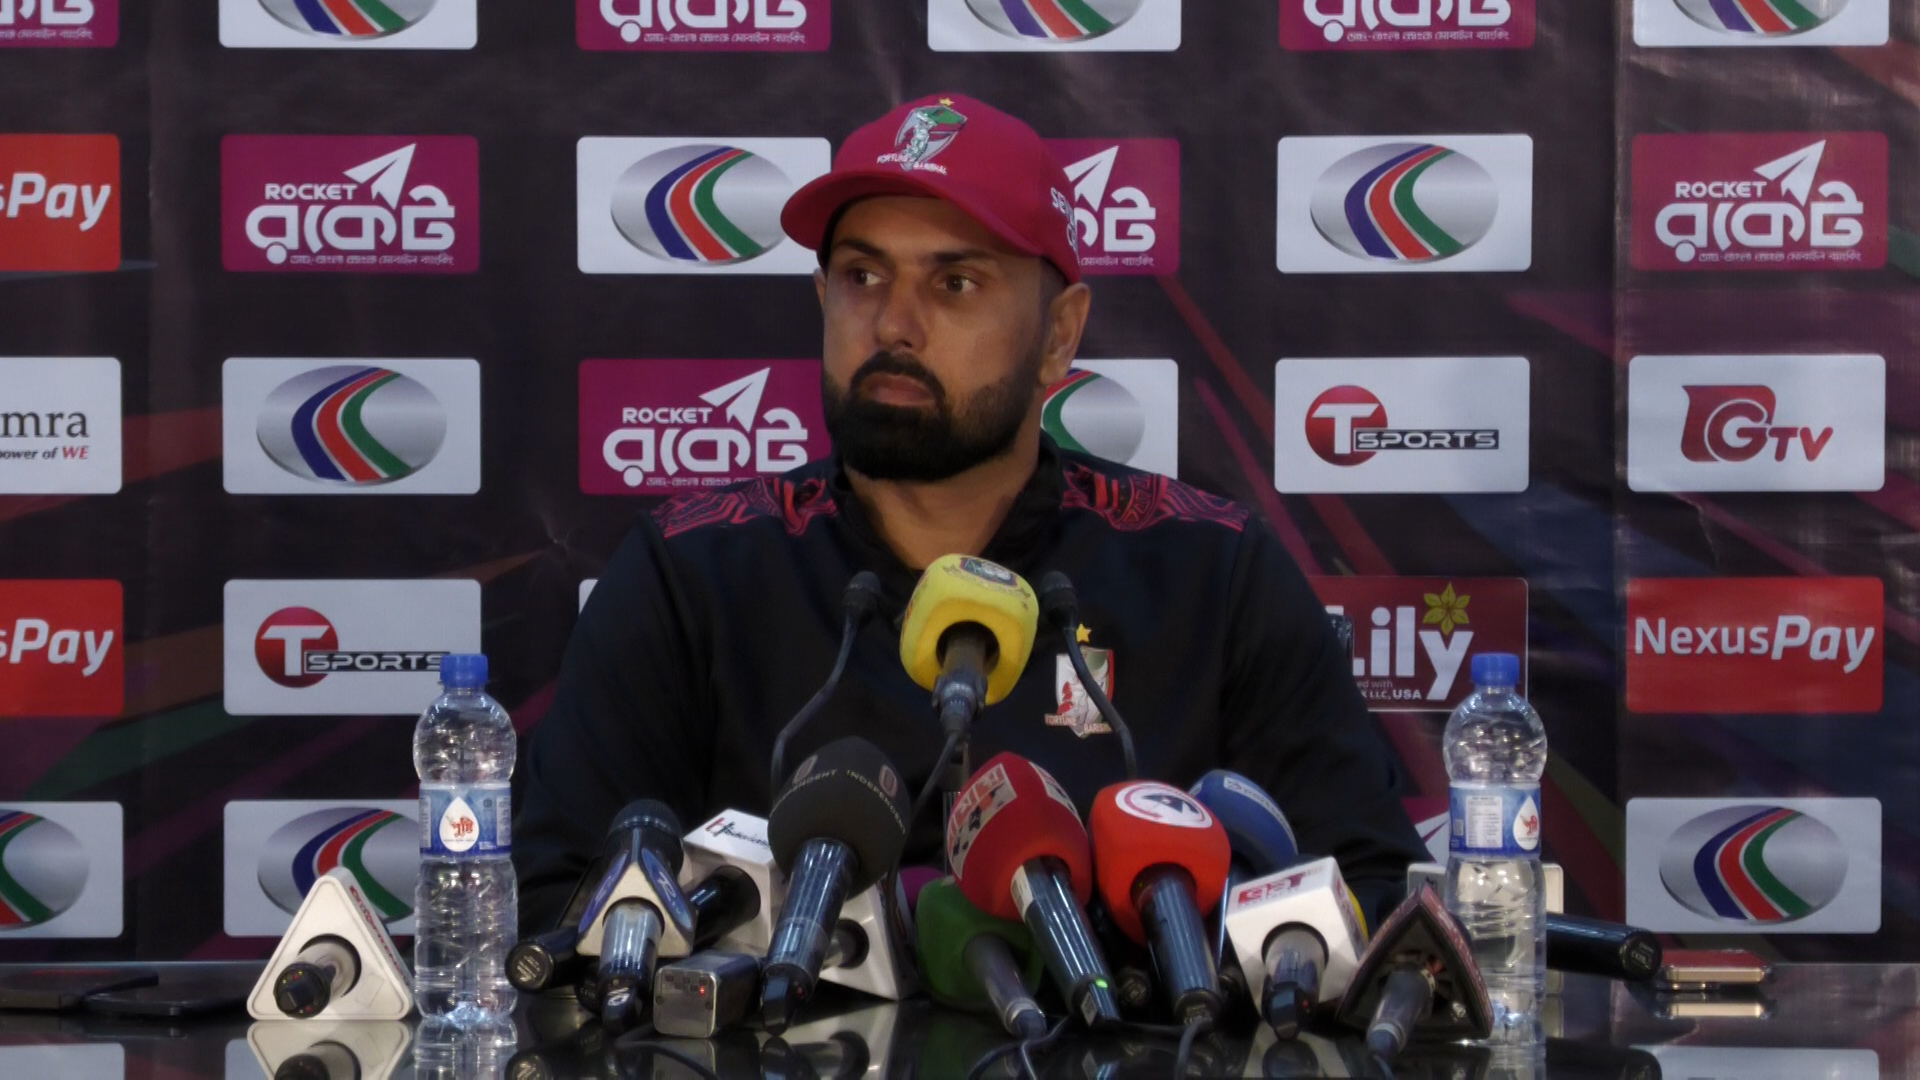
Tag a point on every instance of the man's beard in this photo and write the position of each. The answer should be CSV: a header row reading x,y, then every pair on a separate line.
x,y
922,445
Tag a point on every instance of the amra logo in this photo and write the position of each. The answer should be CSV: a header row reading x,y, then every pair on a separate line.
x,y
701,204
655,439
634,17
43,869
1735,423
1094,414
347,18
1405,202
379,847
1054,20
352,425
1762,18
1347,426
1754,864
297,647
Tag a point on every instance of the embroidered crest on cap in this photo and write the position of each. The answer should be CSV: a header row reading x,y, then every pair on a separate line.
x,y
925,132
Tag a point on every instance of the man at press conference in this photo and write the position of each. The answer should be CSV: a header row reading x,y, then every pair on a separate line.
x,y
951,293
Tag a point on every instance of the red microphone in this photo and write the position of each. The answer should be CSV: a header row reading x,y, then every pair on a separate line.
x,y
1163,861
1018,851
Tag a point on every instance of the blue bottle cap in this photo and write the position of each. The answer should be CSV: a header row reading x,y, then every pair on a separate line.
x,y
468,671
1489,669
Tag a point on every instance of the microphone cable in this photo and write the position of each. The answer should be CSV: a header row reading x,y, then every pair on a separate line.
x,y
1061,607
1026,1048
947,750
859,602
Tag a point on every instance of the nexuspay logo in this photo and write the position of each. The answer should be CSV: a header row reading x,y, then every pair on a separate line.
x,y
1755,866
1401,425
1759,23
1756,423
351,427
1405,204
348,24
1041,25
276,850
692,206
350,648
1791,201
1122,410
60,870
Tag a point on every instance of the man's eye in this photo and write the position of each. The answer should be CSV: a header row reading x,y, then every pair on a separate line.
x,y
956,283
860,275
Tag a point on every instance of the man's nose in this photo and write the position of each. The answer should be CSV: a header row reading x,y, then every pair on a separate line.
x,y
900,324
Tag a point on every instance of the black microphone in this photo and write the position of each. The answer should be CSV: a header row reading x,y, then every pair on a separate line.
x,y
857,605
1061,608
553,958
1597,947
326,969
639,900
836,829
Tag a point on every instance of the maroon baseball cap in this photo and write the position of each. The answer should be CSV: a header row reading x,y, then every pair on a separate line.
x,y
952,147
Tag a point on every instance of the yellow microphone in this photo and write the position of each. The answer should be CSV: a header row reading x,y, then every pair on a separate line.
x,y
967,634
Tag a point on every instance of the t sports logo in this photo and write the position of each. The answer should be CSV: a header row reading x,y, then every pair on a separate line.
x,y
651,427
62,648
1414,639
1709,23
704,25
1126,203
56,24
1392,204
351,427
1368,25
1038,25
349,648
1755,645
1122,410
1756,423
369,204
60,870
1756,866
692,206
59,425
276,850
59,202
1789,201
1442,424
349,24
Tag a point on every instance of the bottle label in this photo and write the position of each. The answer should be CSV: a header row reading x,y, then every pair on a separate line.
x,y
1495,821
466,821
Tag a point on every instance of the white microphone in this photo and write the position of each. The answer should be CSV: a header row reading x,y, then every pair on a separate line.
x,y
882,960
1299,934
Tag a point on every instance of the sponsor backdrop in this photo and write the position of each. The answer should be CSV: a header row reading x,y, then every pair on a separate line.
x,y
1582,330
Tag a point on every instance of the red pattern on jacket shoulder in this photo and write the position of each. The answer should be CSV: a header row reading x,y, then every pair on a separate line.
x,y
797,505
1133,502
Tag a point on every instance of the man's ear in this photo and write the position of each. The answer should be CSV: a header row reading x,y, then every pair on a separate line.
x,y
820,286
1066,320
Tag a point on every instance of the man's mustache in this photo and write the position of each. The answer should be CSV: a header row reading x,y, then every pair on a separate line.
x,y
887,363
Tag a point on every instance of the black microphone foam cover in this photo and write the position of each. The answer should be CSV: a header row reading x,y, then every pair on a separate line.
x,y
659,828
848,792
862,597
1058,604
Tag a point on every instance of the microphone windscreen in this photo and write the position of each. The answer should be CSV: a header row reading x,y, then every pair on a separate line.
x,y
1140,824
1262,839
848,792
658,825
1012,811
959,589
944,922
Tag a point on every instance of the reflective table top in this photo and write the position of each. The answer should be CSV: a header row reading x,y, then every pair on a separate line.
x,y
1810,1022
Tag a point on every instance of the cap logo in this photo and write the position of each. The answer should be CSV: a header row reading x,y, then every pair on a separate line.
x,y
925,132
1062,204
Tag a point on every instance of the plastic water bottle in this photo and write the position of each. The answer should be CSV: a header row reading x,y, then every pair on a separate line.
x,y
466,907
1496,750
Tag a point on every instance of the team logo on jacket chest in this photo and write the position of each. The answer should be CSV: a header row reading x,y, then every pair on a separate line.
x,y
1073,707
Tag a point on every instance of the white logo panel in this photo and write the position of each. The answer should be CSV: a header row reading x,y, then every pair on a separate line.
x,y
1438,425
1723,24
59,425
349,24
64,867
343,647
1756,423
1049,26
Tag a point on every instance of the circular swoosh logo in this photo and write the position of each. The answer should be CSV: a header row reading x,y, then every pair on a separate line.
x,y
1753,864
349,19
43,869
381,849
356,426
701,204
1405,202
1054,20
1762,18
